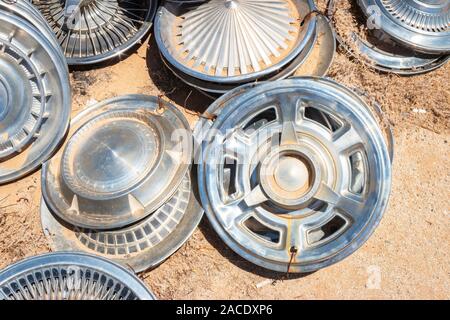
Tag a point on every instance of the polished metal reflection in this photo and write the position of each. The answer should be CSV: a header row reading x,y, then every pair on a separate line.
x,y
213,89
124,158
70,276
293,175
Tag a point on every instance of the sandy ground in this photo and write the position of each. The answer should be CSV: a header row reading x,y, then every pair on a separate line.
x,y
407,257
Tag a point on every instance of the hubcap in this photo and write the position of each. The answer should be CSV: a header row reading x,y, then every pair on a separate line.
x,y
70,276
34,94
294,175
92,31
232,41
139,150
122,148
420,25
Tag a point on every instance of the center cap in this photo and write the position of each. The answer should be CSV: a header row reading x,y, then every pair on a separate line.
x,y
289,177
291,174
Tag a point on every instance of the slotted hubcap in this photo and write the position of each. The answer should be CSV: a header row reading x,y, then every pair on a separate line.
x,y
293,165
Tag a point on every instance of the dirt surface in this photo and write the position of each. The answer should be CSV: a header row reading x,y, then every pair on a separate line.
x,y
407,257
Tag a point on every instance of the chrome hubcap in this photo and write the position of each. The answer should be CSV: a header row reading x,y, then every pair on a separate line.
x,y
290,175
34,92
70,276
139,150
220,44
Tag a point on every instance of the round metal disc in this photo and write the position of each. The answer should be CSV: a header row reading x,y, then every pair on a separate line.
x,y
422,25
140,246
70,276
35,98
92,31
386,55
232,41
124,158
294,175
213,90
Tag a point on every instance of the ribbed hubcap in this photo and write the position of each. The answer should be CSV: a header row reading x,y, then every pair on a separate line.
x,y
70,276
218,44
428,15
235,37
91,31
419,25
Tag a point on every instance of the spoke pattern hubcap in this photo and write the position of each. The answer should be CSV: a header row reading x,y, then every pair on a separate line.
x,y
139,150
70,276
297,164
92,31
219,44
34,92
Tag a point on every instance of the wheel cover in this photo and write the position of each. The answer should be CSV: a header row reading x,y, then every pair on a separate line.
x,y
99,29
383,54
70,276
139,150
209,41
213,89
34,101
422,25
140,246
283,190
